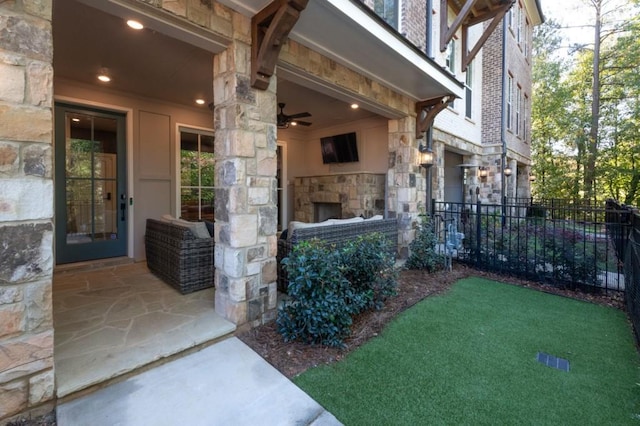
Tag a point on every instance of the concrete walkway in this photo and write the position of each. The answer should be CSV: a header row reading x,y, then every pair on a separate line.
x,y
224,384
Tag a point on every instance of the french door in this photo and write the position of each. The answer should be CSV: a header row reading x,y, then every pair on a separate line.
x,y
91,198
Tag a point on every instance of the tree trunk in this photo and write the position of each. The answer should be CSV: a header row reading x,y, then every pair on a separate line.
x,y
592,148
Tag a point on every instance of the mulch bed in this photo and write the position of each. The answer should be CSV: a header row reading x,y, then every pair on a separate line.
x,y
294,358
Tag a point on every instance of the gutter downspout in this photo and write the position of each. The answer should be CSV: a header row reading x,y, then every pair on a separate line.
x,y
504,122
428,45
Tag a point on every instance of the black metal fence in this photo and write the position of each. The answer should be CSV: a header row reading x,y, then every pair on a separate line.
x,y
627,246
563,244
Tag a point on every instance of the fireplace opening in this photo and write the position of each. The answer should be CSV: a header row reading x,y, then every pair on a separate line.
x,y
324,211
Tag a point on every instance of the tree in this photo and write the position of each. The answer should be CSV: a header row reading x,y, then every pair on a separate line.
x,y
585,110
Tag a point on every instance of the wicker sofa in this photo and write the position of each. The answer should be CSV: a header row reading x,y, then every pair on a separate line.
x,y
334,233
178,256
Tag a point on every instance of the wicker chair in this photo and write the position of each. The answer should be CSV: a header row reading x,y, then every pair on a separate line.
x,y
337,235
178,257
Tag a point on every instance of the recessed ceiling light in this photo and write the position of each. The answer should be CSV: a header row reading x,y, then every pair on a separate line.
x,y
136,25
200,101
104,78
75,120
355,106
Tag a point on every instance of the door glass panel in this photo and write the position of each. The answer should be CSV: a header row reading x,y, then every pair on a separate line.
x,y
91,178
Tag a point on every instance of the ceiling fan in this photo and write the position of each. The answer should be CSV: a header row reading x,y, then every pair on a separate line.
x,y
285,120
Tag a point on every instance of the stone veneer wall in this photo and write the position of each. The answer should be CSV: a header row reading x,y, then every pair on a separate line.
x,y
26,207
358,193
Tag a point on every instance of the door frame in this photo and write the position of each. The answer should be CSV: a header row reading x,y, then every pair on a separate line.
x,y
129,132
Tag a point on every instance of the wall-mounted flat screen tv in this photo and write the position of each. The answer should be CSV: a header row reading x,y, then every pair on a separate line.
x,y
339,148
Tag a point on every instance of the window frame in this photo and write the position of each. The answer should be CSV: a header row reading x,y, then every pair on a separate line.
x,y
468,110
200,132
509,105
396,6
450,56
518,111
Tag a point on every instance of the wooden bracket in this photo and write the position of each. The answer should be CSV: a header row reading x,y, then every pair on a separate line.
x,y
269,31
469,15
427,111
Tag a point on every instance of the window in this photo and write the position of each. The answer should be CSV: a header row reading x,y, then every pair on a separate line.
x,y
525,47
518,124
509,100
519,25
196,174
389,10
524,118
510,17
468,91
450,60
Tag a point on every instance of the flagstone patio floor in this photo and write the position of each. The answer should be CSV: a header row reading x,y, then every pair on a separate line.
x,y
112,320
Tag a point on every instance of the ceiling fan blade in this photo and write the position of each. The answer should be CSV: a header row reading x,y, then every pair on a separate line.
x,y
299,115
302,123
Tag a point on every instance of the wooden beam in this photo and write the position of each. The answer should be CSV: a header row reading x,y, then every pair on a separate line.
x,y
467,56
269,31
427,112
449,31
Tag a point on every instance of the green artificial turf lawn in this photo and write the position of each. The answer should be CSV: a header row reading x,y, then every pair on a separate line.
x,y
469,357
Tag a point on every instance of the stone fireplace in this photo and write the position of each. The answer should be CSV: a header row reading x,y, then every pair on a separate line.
x,y
318,198
324,211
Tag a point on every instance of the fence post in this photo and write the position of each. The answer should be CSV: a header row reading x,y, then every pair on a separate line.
x,y
478,231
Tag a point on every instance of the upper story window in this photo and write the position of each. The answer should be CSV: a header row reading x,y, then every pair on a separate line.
x,y
468,91
509,101
519,100
450,58
389,10
525,106
525,40
519,24
510,17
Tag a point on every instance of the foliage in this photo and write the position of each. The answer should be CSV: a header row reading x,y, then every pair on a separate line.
x,y
369,267
580,151
422,249
319,311
328,285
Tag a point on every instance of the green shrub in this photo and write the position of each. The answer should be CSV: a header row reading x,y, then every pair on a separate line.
x,y
327,286
422,250
318,311
369,268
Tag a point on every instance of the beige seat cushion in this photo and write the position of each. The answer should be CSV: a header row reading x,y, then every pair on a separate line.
x,y
198,229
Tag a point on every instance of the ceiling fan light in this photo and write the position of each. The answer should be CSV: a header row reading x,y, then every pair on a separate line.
x,y
293,123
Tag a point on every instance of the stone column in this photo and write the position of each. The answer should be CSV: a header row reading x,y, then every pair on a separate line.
x,y
245,195
405,180
26,208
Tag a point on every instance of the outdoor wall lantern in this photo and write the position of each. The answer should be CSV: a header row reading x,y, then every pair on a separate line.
x,y
507,171
483,172
532,177
427,157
